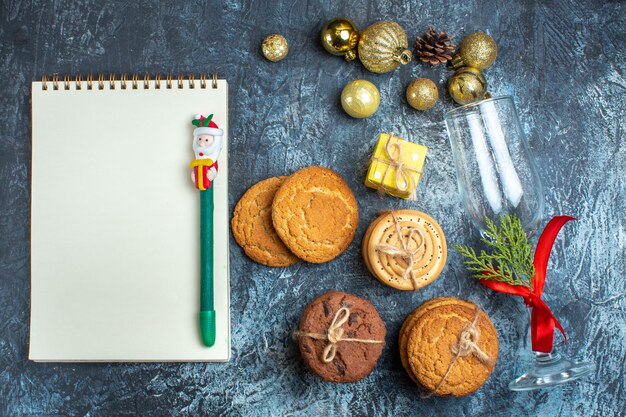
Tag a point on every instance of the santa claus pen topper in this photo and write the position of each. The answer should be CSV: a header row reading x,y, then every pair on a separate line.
x,y
208,140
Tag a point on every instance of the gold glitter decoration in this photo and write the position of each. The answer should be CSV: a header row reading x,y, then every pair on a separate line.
x,y
422,94
340,37
383,46
275,47
467,85
477,50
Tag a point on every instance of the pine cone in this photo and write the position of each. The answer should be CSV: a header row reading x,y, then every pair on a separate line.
x,y
434,48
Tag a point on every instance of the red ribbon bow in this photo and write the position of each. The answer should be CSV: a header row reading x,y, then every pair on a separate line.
x,y
542,320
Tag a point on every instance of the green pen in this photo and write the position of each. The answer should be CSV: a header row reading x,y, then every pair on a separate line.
x,y
208,141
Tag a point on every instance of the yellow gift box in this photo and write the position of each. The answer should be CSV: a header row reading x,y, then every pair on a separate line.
x,y
397,166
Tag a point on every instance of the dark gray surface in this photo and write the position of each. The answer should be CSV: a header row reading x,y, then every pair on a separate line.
x,y
563,61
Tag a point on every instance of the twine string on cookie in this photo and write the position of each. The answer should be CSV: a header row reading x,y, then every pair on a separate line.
x,y
334,335
403,251
403,180
466,346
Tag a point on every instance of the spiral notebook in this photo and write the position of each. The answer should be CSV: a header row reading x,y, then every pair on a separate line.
x,y
115,220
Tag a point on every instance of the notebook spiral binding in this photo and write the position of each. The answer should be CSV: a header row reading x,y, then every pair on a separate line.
x,y
135,82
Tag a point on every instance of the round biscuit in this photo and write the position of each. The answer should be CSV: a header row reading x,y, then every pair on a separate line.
x,y
253,228
430,256
315,214
429,349
410,321
353,360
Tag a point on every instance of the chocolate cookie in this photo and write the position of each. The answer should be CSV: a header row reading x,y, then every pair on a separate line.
x,y
253,229
449,347
315,214
341,337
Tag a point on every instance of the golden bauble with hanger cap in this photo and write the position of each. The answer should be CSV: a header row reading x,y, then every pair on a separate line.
x,y
340,37
383,46
477,50
275,47
467,85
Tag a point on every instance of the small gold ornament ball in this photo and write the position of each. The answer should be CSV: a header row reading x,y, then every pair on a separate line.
x,y
422,94
477,50
275,47
360,98
467,85
339,37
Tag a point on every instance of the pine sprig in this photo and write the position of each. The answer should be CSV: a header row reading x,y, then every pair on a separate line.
x,y
510,258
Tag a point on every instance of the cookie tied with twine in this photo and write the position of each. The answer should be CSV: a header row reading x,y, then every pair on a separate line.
x,y
405,249
341,337
449,347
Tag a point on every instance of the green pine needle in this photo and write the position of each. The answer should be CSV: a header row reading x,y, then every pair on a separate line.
x,y
510,258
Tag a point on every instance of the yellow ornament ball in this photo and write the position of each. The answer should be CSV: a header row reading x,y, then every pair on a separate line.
x,y
275,47
339,37
477,50
467,85
422,94
360,98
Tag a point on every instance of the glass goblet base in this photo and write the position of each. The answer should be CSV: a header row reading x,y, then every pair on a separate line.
x,y
549,370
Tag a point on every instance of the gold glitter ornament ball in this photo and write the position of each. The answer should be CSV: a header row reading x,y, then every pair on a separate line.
x,y
339,37
360,99
467,85
477,50
422,94
383,46
275,47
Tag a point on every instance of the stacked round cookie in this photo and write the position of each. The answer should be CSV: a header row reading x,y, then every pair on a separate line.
x,y
341,337
448,346
252,225
405,249
311,215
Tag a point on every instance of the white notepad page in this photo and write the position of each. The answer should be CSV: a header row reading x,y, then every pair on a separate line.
x,y
115,224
